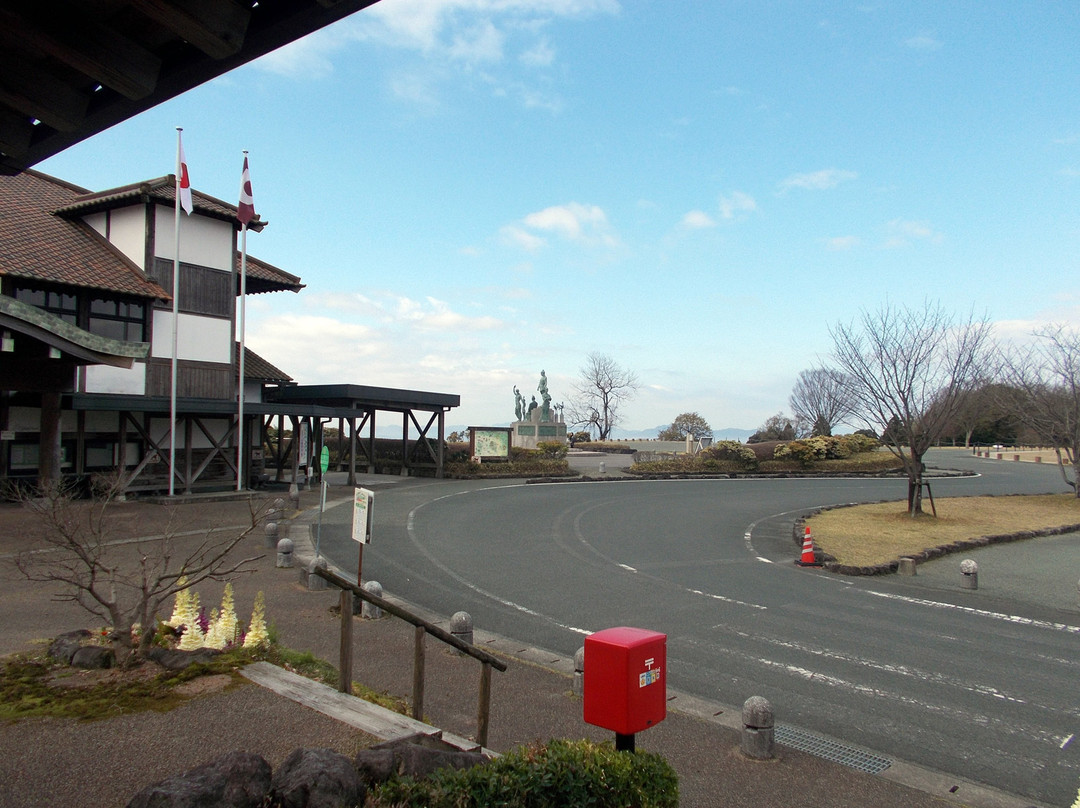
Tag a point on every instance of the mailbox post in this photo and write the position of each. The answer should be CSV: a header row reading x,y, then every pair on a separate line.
x,y
625,681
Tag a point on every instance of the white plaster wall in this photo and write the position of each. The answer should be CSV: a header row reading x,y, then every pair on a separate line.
x,y
102,421
127,232
28,419
201,339
99,222
203,241
107,379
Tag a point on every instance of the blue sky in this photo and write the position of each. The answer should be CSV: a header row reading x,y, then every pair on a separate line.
x,y
473,190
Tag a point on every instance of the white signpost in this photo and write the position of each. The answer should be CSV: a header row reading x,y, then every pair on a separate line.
x,y
363,507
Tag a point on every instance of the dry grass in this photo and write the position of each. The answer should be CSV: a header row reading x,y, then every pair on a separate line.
x,y
874,534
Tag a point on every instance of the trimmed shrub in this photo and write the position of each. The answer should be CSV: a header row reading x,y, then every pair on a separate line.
x,y
559,773
552,449
728,452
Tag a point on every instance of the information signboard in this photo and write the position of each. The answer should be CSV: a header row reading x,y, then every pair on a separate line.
x,y
363,502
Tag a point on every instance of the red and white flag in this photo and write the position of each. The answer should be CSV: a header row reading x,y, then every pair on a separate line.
x,y
183,181
245,211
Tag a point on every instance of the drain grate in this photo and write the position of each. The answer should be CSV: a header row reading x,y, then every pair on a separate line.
x,y
829,750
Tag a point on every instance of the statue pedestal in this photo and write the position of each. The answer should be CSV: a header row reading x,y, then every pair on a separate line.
x,y
528,434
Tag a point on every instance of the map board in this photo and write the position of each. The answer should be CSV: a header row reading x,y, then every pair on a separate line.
x,y
489,441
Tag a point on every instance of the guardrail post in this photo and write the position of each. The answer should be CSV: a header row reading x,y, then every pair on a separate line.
x,y
483,705
758,728
418,674
345,656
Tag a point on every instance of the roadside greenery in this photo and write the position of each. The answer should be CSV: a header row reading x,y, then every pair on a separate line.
x,y
548,460
35,685
866,535
825,454
557,773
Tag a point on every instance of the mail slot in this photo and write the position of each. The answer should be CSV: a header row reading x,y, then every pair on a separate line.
x,y
625,680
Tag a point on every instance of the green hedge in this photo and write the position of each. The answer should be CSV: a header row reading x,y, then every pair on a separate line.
x,y
553,775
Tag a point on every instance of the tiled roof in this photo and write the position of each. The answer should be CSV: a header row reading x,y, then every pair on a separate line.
x,y
37,245
163,190
264,277
257,368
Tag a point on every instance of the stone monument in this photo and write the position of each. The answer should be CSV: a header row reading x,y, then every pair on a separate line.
x,y
537,422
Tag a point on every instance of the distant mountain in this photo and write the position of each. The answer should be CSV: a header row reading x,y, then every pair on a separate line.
x,y
731,433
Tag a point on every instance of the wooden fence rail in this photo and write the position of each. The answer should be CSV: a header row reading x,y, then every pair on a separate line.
x,y
423,627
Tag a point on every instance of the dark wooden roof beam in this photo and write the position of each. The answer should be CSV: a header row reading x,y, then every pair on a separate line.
x,y
28,89
216,27
76,39
16,134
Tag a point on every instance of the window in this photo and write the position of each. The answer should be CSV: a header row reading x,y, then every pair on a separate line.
x,y
62,304
118,319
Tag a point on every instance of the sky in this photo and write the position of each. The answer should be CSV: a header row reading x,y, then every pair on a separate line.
x,y
475,190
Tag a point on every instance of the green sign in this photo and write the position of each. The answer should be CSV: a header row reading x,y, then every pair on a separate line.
x,y
324,459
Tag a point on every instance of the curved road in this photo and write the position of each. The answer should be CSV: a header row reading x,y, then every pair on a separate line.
x,y
982,684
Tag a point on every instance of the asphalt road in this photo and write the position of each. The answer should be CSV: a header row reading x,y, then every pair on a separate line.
x,y
982,685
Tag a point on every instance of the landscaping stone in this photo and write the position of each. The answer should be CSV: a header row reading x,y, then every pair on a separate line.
x,y
174,659
415,756
236,780
93,657
317,778
64,647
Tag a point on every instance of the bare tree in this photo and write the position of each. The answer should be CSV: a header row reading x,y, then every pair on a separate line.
x,y
122,580
1045,382
821,399
909,370
603,387
689,423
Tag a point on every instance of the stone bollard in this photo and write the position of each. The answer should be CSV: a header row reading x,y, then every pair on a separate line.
x,y
758,733
369,611
285,553
579,671
907,566
271,530
969,574
312,581
294,496
603,467
461,626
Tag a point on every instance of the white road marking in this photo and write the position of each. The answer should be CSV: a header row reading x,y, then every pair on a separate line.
x,y
1008,618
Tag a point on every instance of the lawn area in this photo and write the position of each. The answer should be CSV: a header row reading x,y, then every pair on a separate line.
x,y
866,535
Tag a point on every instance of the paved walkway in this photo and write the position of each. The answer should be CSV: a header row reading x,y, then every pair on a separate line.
x,y
64,762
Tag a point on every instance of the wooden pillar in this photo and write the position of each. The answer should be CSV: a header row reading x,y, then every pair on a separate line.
x,y
442,445
352,450
49,441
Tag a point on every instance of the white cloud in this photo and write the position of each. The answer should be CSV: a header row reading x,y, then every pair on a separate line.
x,y
902,232
697,220
519,237
924,40
540,55
574,222
842,243
817,180
309,57
738,202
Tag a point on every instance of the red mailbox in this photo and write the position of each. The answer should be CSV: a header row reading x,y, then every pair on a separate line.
x,y
625,684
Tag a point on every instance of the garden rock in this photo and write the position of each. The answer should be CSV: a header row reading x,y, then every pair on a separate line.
x,y
317,778
236,780
64,647
412,757
93,657
174,659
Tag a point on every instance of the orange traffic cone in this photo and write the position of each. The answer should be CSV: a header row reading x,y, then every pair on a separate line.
x,y
808,559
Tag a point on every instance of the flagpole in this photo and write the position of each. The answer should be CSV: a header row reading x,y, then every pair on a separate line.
x,y
240,407
175,316
243,306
